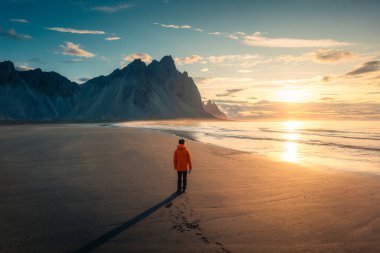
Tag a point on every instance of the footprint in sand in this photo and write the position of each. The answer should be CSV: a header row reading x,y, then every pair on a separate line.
x,y
181,213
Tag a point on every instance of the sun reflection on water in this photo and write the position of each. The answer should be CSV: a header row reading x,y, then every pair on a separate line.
x,y
290,146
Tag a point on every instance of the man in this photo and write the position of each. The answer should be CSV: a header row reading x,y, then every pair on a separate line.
x,y
182,162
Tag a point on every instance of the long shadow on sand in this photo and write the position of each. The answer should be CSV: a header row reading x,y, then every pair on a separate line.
x,y
126,225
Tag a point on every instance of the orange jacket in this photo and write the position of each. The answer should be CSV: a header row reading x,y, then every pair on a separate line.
x,y
182,158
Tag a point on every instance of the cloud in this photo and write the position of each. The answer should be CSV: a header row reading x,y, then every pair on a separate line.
x,y
142,56
176,26
245,71
19,20
189,27
331,55
112,38
327,99
367,67
76,31
327,78
84,79
232,57
229,92
189,59
233,37
321,56
23,68
37,60
111,9
259,40
104,58
244,60
11,33
204,70
74,49
314,110
76,60
216,33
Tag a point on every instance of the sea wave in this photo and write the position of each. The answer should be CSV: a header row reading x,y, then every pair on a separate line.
x,y
316,133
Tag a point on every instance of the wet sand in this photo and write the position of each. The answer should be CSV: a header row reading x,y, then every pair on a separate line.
x,y
85,188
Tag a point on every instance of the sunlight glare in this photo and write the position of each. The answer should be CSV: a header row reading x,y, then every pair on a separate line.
x,y
291,95
291,125
290,153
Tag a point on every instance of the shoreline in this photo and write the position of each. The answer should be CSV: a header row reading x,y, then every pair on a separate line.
x,y
190,136
110,190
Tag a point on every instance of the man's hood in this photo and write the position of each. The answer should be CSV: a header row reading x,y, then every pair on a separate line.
x,y
181,147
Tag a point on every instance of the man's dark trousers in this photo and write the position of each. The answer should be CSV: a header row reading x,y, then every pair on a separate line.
x,y
182,180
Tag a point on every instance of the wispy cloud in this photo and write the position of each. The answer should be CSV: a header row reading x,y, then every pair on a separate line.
x,y
19,20
245,71
327,99
76,31
229,93
131,57
322,56
365,68
259,40
232,57
204,70
11,33
367,72
111,8
24,67
75,60
189,27
245,60
233,37
37,60
328,109
216,33
188,59
83,79
174,26
332,56
74,49
112,38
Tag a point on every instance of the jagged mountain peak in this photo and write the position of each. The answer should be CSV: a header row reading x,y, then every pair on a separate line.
x,y
167,59
7,72
135,65
167,63
213,109
7,66
138,91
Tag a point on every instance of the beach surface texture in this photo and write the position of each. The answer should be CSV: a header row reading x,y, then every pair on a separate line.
x,y
89,188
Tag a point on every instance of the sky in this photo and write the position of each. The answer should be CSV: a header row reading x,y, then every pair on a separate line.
x,y
294,59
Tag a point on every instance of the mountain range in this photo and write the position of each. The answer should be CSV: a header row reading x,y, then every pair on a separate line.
x,y
136,92
213,109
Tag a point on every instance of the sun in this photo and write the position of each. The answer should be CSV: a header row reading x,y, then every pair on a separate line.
x,y
291,95
292,125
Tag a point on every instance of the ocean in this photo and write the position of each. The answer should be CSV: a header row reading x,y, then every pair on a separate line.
x,y
341,145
